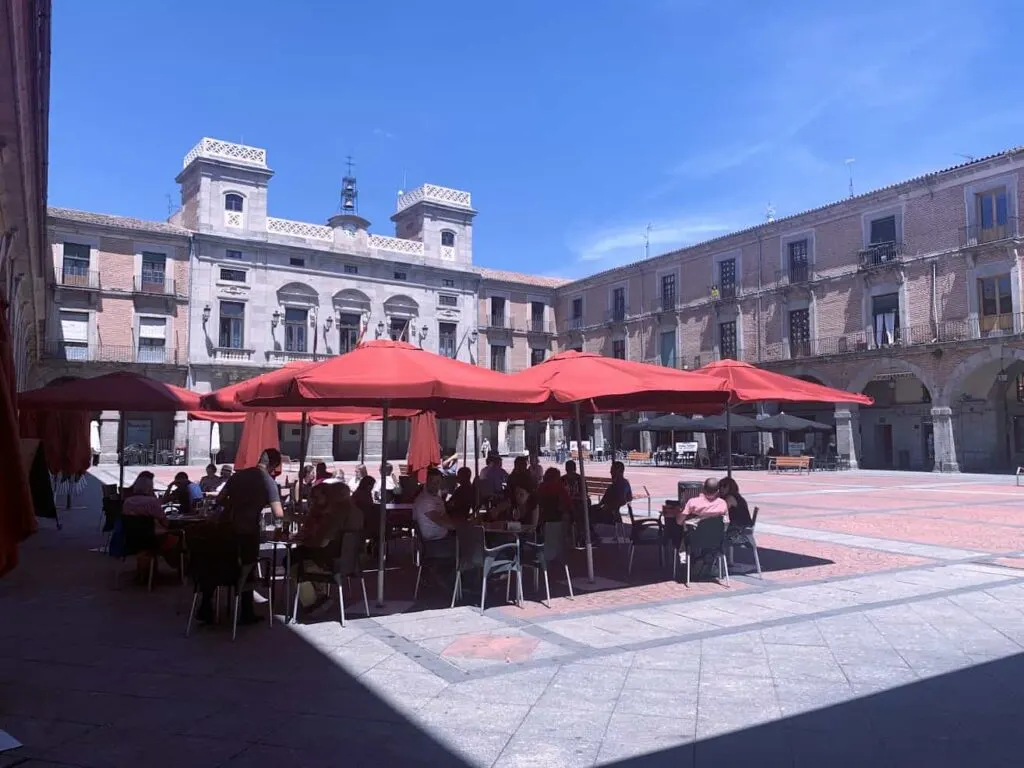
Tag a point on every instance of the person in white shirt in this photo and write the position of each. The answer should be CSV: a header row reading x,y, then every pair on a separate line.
x,y
429,511
485,448
358,475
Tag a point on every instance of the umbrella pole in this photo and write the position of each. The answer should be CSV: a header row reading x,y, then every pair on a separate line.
x,y
362,443
465,443
728,439
120,450
476,462
383,507
586,498
302,449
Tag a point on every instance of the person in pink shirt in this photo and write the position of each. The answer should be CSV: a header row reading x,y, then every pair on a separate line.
x,y
706,504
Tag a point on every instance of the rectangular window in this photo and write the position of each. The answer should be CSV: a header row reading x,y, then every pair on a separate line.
x,y
618,304
577,309
398,329
232,324
498,358
348,326
668,291
996,304
799,333
619,349
74,335
401,276
232,254
727,278
727,340
295,329
154,271
296,261
447,344
232,275
351,269
152,340
883,230
497,312
798,272
447,282
537,356
667,348
75,266
992,215
537,311
885,319
447,300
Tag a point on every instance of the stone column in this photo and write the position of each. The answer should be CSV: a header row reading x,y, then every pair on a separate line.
x,y
502,446
320,444
765,440
848,433
646,438
198,442
181,433
109,423
515,437
467,432
597,442
945,445
372,436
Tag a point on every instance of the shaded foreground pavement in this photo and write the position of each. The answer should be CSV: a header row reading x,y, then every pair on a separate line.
x,y
888,630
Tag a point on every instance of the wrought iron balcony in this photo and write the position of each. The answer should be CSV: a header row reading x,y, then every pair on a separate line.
x,y
76,277
154,284
538,326
975,235
795,274
616,315
880,255
574,323
497,322
667,303
81,352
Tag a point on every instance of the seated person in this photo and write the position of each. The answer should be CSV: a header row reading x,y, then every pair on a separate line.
x,y
391,487
492,479
462,502
520,477
339,476
141,501
521,507
617,495
536,470
321,474
739,510
210,482
708,503
553,502
450,466
357,477
332,513
182,492
429,511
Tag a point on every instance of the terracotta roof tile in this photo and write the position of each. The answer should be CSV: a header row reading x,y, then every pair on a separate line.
x,y
116,222
518,277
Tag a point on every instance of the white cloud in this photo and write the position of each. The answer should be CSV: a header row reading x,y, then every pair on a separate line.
x,y
625,242
383,134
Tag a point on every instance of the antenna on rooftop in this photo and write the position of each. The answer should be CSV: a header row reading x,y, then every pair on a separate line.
x,y
849,168
647,240
968,158
170,204
769,213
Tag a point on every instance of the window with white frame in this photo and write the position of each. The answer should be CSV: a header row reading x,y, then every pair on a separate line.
x,y
498,357
995,300
447,238
234,202
152,340
992,215
885,319
75,264
537,311
349,326
447,343
232,325
295,324
74,335
154,272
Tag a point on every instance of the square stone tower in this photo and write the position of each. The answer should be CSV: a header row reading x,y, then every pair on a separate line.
x,y
440,218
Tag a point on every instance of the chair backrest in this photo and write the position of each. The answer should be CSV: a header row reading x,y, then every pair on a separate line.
x,y
554,542
348,560
471,546
212,557
709,533
753,517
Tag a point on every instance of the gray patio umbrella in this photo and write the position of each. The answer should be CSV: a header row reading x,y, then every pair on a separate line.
x,y
670,422
788,423
724,422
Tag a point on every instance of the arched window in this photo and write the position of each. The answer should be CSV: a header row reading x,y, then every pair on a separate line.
x,y
447,238
233,202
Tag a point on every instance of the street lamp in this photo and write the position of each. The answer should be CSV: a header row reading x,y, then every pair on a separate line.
x,y
1002,377
206,315
275,318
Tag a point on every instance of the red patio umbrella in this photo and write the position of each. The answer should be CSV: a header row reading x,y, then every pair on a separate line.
x,y
393,374
316,418
258,434
120,391
424,448
748,383
17,518
596,384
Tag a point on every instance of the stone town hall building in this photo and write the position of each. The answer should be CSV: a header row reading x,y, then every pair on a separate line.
x,y
909,293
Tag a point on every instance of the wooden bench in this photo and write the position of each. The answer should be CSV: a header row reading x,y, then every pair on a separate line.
x,y
587,455
596,486
638,457
799,463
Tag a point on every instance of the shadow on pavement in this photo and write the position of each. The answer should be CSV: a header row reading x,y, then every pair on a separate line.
x,y
964,718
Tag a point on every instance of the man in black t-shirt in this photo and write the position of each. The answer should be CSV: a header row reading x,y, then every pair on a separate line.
x,y
244,497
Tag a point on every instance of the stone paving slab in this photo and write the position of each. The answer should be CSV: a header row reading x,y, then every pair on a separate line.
x,y
820,529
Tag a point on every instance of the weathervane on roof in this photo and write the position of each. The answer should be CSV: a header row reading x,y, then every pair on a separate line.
x,y
849,168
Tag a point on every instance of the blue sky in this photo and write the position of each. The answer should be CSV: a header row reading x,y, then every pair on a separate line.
x,y
574,124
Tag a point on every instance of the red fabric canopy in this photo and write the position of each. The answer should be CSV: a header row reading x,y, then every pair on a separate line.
x,y
424,448
120,391
225,398
258,434
748,383
396,373
65,439
316,418
606,384
17,515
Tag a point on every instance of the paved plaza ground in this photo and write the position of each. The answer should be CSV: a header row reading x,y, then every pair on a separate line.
x,y
887,631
